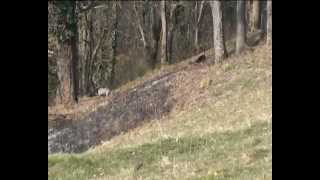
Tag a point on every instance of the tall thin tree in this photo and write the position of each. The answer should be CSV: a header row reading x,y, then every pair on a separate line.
x,y
148,24
163,56
75,51
241,26
114,41
218,35
269,22
255,15
198,18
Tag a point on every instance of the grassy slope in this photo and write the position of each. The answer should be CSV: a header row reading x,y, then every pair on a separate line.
x,y
228,136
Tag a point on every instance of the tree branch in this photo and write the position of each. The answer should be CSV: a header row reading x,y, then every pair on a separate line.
x,y
200,12
101,40
85,8
140,25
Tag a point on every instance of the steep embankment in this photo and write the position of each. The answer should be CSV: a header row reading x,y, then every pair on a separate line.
x,y
151,97
218,124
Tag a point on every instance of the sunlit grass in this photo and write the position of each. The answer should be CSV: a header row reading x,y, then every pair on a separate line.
x,y
227,136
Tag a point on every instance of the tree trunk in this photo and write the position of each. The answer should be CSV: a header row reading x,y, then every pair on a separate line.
x,y
269,22
88,84
163,55
156,35
171,31
90,54
75,68
218,36
114,43
170,44
196,35
149,31
249,13
196,38
67,63
75,53
81,56
84,53
65,90
255,15
241,26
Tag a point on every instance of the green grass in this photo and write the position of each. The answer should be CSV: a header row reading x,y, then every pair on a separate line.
x,y
229,136
199,151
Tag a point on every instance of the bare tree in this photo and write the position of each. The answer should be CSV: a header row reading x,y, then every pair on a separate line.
x,y
241,26
163,56
92,37
172,23
255,15
68,30
75,52
198,18
67,56
83,50
114,41
149,28
65,92
218,35
269,22
171,29
249,13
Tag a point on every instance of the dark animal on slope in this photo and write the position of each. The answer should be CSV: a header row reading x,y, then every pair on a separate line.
x,y
200,59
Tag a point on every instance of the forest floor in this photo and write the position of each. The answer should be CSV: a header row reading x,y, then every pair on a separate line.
x,y
219,128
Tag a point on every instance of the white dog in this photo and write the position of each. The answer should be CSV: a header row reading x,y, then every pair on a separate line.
x,y
103,92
